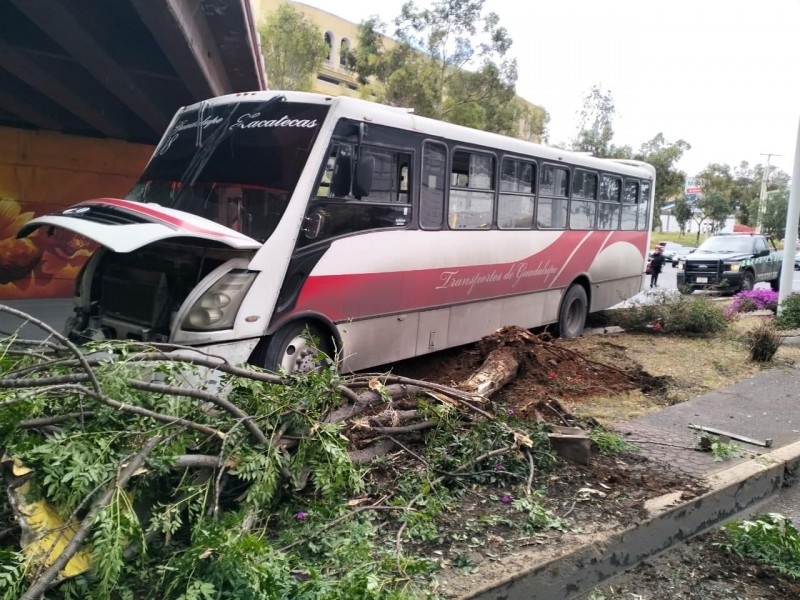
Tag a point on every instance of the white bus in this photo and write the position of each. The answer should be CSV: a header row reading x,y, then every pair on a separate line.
x,y
266,217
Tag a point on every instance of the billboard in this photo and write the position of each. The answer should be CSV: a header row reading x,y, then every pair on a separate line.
x,y
693,186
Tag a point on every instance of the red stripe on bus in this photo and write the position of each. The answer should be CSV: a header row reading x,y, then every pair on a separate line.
x,y
142,209
346,296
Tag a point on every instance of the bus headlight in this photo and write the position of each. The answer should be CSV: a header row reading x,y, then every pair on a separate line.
x,y
217,308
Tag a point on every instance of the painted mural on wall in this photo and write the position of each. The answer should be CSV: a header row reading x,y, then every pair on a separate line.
x,y
41,265
44,172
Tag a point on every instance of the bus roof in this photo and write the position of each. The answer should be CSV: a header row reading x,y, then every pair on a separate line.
x,y
404,118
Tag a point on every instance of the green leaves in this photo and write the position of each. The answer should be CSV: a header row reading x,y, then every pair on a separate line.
x,y
771,539
293,49
12,574
450,62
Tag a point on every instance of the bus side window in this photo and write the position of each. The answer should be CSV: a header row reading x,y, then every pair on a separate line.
x,y
516,202
610,202
390,175
431,197
583,206
644,205
553,197
336,211
471,202
630,200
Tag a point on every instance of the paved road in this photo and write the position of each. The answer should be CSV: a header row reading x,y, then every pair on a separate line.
x,y
53,311
669,279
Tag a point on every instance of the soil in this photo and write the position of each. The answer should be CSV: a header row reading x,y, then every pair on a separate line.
x,y
699,569
556,380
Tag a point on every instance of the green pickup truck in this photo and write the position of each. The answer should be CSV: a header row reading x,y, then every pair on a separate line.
x,y
730,264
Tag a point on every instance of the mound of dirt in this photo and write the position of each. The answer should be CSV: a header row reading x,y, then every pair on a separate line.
x,y
554,374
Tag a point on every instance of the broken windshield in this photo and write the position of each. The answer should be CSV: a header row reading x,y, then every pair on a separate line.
x,y
236,164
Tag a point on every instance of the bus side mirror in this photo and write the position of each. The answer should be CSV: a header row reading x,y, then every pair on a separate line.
x,y
365,168
341,179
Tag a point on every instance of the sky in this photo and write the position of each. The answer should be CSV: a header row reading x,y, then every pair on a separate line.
x,y
722,75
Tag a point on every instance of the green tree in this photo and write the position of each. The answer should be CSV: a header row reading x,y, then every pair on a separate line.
x,y
450,62
682,212
663,156
713,207
775,214
293,49
596,128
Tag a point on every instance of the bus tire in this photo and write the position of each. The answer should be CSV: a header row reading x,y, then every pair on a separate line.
x,y
573,311
299,347
748,281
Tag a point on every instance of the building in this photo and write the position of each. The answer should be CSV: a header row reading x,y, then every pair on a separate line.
x,y
335,78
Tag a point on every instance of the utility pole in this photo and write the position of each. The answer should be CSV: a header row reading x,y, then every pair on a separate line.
x,y
790,235
762,197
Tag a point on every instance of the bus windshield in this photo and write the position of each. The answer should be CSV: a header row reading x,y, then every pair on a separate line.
x,y
725,243
236,164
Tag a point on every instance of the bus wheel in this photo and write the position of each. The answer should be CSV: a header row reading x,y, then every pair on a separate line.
x,y
572,316
299,347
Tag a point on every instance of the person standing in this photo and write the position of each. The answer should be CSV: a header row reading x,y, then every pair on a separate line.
x,y
656,262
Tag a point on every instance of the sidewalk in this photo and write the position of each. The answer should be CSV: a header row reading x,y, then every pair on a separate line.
x,y
764,407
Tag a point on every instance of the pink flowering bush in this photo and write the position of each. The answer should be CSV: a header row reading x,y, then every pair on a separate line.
x,y
751,300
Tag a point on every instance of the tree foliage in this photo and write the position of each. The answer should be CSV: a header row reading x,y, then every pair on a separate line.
x,y
182,492
664,156
450,62
711,209
596,126
293,49
682,213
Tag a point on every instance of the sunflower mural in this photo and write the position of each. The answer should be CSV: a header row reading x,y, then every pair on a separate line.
x,y
42,265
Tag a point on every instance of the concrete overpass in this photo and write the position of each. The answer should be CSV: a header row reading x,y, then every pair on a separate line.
x,y
120,68
87,87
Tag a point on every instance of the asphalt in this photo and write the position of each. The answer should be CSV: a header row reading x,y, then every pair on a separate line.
x,y
764,407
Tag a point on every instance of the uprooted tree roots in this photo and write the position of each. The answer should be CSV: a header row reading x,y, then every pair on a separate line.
x,y
143,470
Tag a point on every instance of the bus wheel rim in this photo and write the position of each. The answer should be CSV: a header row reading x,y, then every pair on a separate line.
x,y
299,356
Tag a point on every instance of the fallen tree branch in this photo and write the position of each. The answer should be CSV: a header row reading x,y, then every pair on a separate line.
x,y
369,453
404,428
43,381
72,347
227,405
137,410
55,419
40,585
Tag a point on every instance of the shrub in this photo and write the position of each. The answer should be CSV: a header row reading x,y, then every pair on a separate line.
x,y
789,313
695,316
609,443
763,341
751,300
678,316
770,539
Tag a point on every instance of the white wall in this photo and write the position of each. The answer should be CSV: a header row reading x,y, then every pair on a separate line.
x,y
670,223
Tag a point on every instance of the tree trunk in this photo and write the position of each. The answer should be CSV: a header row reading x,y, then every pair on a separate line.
x,y
499,368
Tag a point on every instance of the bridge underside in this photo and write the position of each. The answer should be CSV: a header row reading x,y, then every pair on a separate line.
x,y
120,68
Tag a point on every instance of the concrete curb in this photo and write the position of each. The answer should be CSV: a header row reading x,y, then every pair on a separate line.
x,y
735,490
